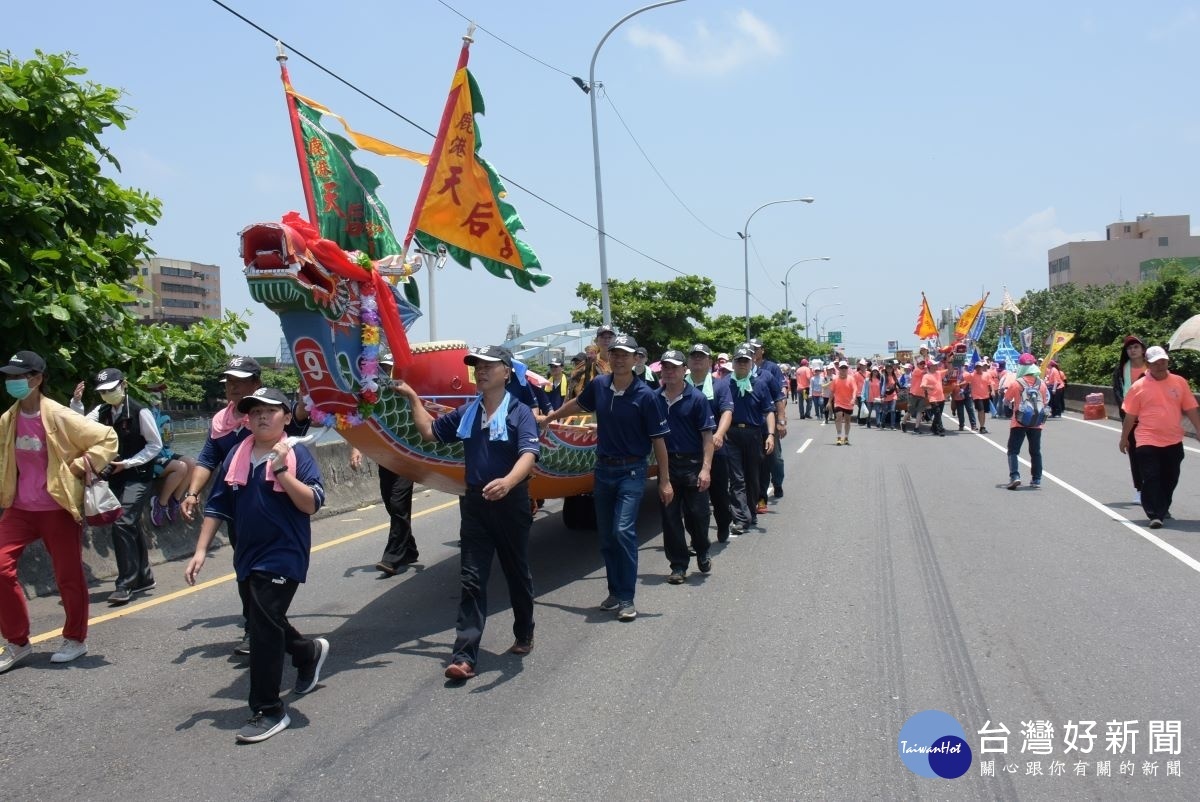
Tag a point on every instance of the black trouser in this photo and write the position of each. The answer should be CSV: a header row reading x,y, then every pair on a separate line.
x,y
688,511
718,493
266,599
1134,470
768,469
1058,401
936,407
397,493
1159,467
488,528
130,547
745,459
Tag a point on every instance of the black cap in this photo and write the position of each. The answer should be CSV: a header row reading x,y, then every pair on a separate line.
x,y
624,343
756,343
743,352
556,363
264,395
108,379
580,357
701,348
24,362
640,351
674,357
489,353
605,329
386,359
242,367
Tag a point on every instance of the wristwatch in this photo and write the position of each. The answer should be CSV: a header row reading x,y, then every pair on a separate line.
x,y
192,495
278,471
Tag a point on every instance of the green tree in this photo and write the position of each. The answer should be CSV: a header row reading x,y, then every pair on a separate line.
x,y
71,238
779,332
657,313
285,378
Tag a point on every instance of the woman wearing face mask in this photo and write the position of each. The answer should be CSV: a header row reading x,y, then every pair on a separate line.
x,y
138,445
41,491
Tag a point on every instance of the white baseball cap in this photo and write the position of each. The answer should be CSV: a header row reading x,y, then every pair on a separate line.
x,y
1155,353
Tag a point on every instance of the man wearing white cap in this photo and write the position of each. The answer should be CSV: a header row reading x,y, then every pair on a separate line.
x,y
1154,404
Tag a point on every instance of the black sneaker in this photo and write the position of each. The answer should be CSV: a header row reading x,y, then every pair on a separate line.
x,y
243,646
627,612
704,565
723,537
308,676
151,585
677,577
120,596
1156,523
1014,484
610,603
778,491
262,726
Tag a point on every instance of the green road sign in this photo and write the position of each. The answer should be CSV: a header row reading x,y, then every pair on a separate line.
x,y
834,337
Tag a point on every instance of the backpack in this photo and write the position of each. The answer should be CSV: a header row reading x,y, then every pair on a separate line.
x,y
1030,410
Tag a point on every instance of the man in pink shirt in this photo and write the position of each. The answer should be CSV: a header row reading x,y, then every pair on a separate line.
x,y
935,395
1154,404
982,385
916,396
845,391
1027,377
804,376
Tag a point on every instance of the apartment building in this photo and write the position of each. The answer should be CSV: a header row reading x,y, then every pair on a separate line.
x,y
1131,252
178,292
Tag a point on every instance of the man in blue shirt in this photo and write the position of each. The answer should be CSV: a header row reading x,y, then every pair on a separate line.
x,y
500,446
267,490
716,390
690,454
242,377
751,436
630,420
772,467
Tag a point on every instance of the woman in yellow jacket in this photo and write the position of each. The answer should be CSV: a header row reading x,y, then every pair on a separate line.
x,y
41,492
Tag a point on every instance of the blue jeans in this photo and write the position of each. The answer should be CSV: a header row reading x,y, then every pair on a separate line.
x,y
884,410
618,495
1016,436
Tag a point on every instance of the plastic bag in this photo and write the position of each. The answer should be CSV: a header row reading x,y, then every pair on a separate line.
x,y
101,506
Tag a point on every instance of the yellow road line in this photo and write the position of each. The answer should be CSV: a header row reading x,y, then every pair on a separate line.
x,y
220,580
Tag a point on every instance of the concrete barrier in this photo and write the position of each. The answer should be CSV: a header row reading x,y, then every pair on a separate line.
x,y
345,489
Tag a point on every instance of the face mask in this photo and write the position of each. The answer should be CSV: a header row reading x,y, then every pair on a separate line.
x,y
113,397
17,388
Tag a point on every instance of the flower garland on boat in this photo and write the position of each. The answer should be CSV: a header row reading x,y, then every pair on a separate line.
x,y
368,389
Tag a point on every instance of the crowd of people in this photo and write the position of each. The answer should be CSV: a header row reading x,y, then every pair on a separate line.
x,y
712,423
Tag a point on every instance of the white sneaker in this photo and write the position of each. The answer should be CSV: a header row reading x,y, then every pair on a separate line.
x,y
11,654
70,650
1137,497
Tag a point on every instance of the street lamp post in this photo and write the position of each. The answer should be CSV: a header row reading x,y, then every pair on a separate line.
x,y
589,90
788,274
745,235
806,297
825,328
817,317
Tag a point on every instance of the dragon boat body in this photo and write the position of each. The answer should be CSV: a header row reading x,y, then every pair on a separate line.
x,y
321,315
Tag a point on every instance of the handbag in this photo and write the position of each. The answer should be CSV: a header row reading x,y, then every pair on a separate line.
x,y
101,506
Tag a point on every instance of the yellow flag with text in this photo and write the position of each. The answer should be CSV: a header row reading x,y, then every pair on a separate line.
x,y
1057,341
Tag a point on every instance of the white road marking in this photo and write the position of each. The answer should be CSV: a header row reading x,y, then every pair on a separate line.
x,y
1186,559
800,450
1117,429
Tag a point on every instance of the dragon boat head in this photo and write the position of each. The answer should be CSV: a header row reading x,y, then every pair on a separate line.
x,y
283,274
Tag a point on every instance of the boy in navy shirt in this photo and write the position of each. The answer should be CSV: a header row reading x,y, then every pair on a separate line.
x,y
500,446
690,452
267,490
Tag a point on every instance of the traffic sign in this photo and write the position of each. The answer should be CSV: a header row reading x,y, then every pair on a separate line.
x,y
834,337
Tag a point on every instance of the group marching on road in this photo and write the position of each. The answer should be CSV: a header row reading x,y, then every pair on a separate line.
x,y
713,425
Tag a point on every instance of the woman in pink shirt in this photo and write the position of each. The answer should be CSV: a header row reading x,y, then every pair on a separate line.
x,y
845,390
935,396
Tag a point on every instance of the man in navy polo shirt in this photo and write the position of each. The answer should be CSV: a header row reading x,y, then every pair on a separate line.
x,y
772,467
751,436
690,455
500,446
630,420
267,490
716,390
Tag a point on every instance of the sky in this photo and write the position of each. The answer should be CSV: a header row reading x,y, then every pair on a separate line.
x,y
947,145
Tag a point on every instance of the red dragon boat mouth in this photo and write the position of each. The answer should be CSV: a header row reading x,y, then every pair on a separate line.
x,y
274,251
